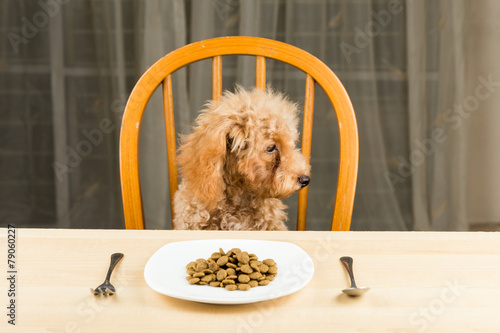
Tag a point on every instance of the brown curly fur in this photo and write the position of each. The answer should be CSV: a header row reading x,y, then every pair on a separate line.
x,y
232,179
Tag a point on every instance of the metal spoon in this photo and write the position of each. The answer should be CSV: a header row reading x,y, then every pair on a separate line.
x,y
354,290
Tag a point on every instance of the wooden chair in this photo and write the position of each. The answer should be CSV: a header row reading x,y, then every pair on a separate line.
x,y
261,48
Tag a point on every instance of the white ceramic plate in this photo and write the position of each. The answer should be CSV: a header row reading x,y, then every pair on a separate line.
x,y
165,271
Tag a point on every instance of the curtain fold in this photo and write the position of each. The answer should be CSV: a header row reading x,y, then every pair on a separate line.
x,y
481,116
369,75
159,19
436,76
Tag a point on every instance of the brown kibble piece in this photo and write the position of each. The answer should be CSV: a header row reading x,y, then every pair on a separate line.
x,y
246,269
208,278
253,283
255,265
264,282
255,275
214,284
216,255
243,278
199,275
243,257
192,264
201,266
231,265
222,260
213,266
228,281
193,281
264,268
269,262
244,286
231,287
231,271
221,275
273,270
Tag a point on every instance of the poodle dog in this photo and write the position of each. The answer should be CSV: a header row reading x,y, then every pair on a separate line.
x,y
239,163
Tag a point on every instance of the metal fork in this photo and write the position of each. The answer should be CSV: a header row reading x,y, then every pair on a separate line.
x,y
106,288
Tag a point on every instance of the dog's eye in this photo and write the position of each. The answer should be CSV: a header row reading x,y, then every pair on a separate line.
x,y
271,148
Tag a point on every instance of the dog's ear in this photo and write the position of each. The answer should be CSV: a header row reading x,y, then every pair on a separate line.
x,y
202,156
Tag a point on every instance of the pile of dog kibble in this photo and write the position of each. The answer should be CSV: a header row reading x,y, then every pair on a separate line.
x,y
233,270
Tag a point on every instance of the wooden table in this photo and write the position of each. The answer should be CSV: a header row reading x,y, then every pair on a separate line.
x,y
420,282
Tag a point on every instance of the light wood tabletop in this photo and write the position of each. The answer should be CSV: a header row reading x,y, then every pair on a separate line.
x,y
420,282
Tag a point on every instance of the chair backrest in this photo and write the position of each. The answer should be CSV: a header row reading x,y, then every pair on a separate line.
x,y
160,74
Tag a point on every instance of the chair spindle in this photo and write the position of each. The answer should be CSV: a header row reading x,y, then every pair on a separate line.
x,y
306,147
216,78
261,73
168,108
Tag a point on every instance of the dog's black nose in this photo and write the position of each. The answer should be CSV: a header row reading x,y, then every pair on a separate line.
x,y
304,180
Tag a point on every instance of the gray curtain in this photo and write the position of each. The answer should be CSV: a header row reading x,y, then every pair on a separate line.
x,y
481,114
67,68
436,79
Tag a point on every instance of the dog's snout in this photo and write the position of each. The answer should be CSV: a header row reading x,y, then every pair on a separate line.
x,y
304,180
